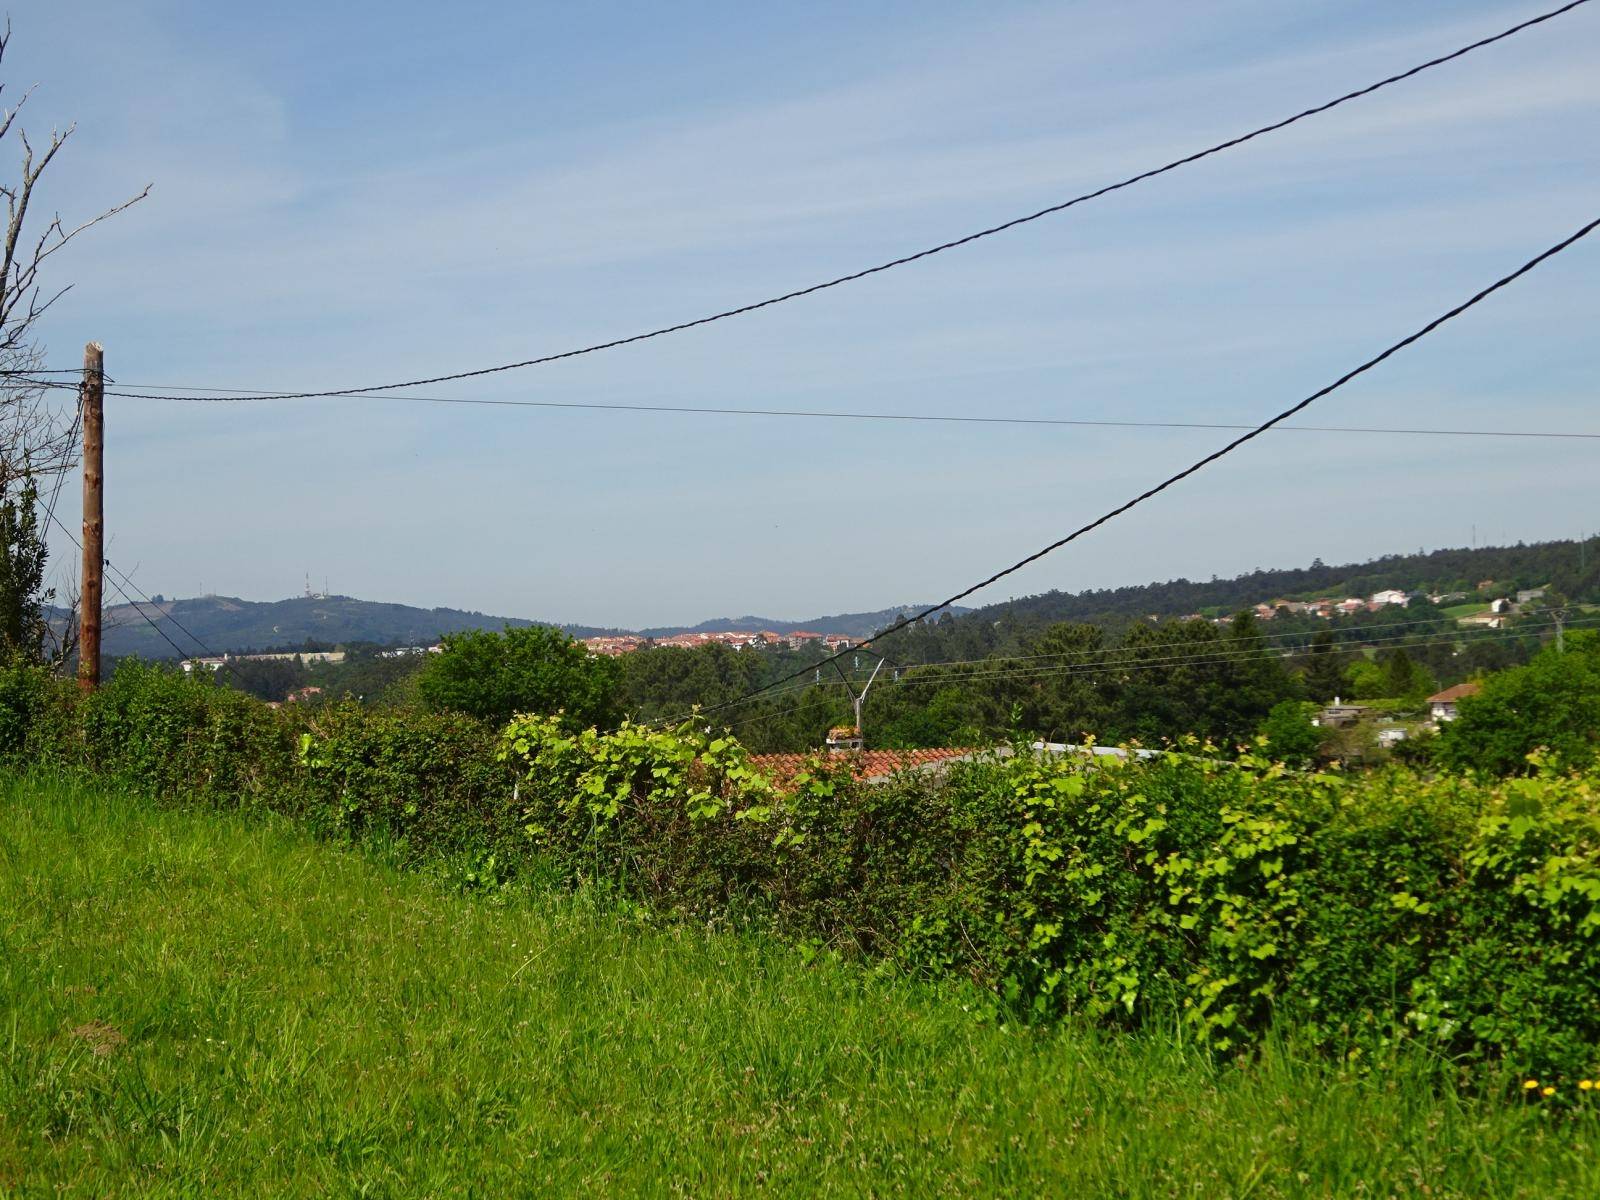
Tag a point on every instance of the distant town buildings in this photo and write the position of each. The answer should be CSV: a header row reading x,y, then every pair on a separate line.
x,y
1494,616
734,639
611,647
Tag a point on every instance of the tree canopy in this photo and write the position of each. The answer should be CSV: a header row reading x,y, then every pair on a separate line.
x,y
1553,704
531,670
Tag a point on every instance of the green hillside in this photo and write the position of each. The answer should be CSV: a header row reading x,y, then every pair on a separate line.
x,y
1571,567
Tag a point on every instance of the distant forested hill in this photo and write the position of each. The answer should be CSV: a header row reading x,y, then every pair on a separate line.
x,y
232,625
227,624
1572,568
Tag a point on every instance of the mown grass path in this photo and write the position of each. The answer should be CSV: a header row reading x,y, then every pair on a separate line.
x,y
204,1004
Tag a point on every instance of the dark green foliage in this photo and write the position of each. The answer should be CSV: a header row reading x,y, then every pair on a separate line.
x,y
1553,703
536,669
183,734
1404,678
271,679
950,716
1323,677
23,554
428,781
36,716
1290,736
1071,684
364,675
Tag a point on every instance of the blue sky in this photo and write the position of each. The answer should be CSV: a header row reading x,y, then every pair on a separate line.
x,y
350,193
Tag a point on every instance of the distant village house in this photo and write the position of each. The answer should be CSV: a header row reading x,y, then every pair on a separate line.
x,y
1442,707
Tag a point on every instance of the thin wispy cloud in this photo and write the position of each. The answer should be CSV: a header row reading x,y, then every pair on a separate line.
x,y
288,244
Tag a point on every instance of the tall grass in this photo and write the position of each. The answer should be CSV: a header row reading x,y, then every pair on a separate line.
x,y
195,1003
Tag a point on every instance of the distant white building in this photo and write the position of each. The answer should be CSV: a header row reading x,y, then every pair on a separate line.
x,y
1389,596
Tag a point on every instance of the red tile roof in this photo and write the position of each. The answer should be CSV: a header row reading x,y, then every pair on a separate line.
x,y
864,764
1455,693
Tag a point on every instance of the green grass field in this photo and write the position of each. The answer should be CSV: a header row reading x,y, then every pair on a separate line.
x,y
203,1004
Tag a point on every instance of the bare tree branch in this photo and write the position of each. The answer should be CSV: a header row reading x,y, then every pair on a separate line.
x,y
39,436
36,435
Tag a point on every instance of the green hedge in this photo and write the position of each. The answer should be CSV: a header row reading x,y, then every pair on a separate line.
x,y
1368,911
431,783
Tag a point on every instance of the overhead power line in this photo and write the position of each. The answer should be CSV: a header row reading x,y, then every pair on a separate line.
x,y
244,395
1215,455
954,243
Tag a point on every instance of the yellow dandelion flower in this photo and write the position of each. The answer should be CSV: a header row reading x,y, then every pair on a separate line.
x,y
1549,1091
1530,1085
1586,1084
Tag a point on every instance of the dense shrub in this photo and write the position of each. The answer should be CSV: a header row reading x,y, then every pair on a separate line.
x,y
36,716
1291,737
174,733
1552,704
1366,910
533,669
430,781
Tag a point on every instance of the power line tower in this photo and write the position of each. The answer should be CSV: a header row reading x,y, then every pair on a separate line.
x,y
858,698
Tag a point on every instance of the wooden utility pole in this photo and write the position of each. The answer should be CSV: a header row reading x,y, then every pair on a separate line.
x,y
92,397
